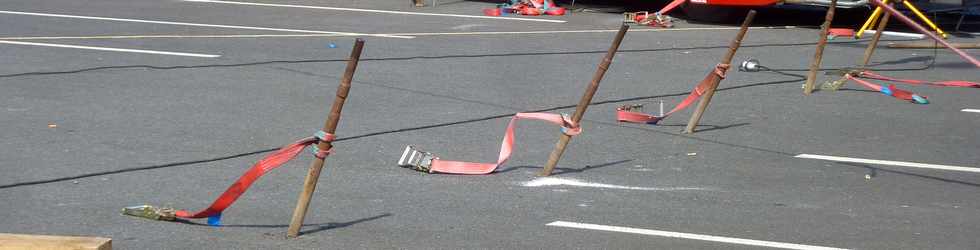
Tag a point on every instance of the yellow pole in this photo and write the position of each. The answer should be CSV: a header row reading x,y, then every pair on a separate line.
x,y
871,21
925,19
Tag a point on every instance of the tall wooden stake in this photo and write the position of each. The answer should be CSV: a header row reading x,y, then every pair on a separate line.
x,y
908,21
874,40
811,77
330,127
584,102
715,79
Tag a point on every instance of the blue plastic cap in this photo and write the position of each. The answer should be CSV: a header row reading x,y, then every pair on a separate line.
x,y
887,91
920,100
215,220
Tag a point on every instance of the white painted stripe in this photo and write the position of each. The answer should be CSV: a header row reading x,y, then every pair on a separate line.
x,y
390,34
689,236
971,110
891,163
193,24
111,49
551,181
377,11
898,34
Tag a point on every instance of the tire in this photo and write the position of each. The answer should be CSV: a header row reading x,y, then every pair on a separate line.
x,y
713,14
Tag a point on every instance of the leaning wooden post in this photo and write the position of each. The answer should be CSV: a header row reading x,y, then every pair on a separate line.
x,y
714,78
330,127
908,21
874,40
584,102
818,55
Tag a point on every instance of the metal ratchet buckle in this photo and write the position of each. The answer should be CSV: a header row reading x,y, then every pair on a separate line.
x,y
631,108
150,212
630,17
416,159
664,21
845,71
837,84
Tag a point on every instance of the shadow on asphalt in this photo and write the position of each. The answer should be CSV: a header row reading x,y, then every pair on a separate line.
x,y
644,128
185,163
706,127
318,227
419,58
798,78
566,170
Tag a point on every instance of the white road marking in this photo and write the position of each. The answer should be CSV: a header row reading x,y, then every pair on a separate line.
x,y
390,34
552,181
691,236
195,24
111,49
891,163
971,110
377,11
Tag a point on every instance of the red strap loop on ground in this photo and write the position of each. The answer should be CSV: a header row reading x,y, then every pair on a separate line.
x,y
624,115
260,168
506,146
964,84
529,8
891,91
840,32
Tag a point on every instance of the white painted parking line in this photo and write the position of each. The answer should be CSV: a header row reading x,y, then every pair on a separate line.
x,y
691,236
891,163
376,11
194,24
389,34
111,49
552,181
971,110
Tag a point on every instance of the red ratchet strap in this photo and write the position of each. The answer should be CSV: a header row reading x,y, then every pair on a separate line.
x,y
891,90
656,19
527,7
840,32
964,84
431,164
624,113
671,6
260,168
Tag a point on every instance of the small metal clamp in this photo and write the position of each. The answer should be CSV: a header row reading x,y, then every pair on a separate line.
x,y
416,159
664,21
751,65
837,84
631,108
630,17
151,212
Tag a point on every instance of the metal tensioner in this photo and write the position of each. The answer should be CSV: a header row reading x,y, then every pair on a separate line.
x,y
751,65
631,108
151,212
837,84
416,159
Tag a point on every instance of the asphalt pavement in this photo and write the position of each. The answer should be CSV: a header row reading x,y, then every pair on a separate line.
x,y
217,85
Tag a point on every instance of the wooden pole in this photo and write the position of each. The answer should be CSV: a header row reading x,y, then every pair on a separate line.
x,y
715,79
330,127
818,55
584,102
874,40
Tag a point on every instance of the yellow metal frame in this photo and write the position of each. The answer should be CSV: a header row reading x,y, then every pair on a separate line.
x,y
878,12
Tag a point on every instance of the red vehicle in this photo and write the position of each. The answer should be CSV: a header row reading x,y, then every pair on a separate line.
x,y
762,3
722,10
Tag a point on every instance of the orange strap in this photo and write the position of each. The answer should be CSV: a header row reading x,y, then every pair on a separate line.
x,y
506,146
